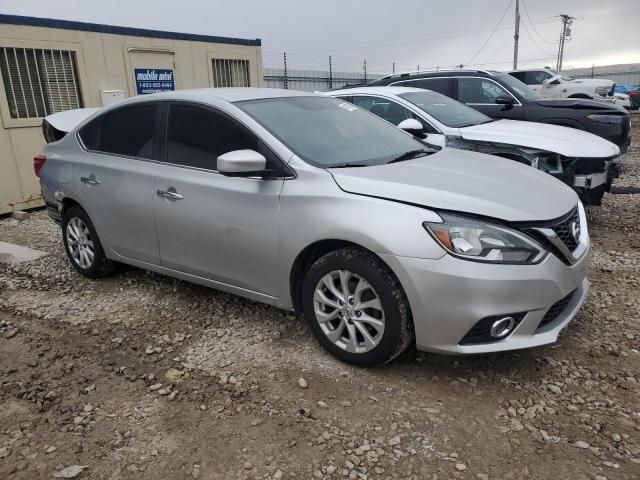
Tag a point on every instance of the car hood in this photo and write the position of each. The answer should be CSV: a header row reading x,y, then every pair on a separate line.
x,y
464,181
580,104
566,141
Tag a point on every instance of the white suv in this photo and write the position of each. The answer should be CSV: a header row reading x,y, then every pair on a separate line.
x,y
552,84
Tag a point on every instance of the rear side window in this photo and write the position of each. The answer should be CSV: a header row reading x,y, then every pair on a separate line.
x,y
129,131
440,85
126,131
196,137
519,75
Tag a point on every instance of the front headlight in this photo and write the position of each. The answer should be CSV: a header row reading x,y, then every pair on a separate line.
x,y
484,242
603,90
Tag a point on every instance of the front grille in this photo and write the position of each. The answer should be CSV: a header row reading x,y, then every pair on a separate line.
x,y
564,230
481,331
555,310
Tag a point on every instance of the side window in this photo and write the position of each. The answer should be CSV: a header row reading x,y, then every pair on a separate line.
x,y
479,90
520,76
536,78
391,111
440,85
197,136
127,131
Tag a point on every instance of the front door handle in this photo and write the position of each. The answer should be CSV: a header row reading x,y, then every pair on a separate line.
x,y
90,180
170,194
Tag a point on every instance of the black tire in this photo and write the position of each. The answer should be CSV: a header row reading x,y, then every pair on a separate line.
x,y
398,332
100,266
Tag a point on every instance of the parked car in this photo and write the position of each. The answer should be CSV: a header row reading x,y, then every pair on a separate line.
x,y
500,95
552,84
313,204
580,159
634,97
622,100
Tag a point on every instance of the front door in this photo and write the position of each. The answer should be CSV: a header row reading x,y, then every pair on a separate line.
x,y
481,93
209,225
115,179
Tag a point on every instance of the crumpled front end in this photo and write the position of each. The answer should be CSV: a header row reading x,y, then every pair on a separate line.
x,y
589,177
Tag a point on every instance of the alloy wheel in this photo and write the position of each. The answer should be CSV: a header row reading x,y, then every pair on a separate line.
x,y
80,243
349,311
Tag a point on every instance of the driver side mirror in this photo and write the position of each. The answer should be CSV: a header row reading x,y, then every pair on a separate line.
x,y
412,126
242,163
505,100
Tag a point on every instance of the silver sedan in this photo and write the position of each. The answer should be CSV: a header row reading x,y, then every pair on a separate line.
x,y
311,204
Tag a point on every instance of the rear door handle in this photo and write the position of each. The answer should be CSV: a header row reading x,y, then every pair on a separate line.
x,y
170,194
90,180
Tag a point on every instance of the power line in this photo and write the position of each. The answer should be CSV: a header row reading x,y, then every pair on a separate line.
x,y
524,5
453,34
492,33
534,40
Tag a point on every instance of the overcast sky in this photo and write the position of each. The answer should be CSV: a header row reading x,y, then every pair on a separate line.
x,y
427,33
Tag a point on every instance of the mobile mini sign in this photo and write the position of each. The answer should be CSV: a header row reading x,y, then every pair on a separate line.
x,y
153,80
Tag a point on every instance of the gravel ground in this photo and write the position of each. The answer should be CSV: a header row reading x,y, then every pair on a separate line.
x,y
142,376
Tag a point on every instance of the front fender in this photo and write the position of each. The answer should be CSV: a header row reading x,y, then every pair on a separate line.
x,y
313,208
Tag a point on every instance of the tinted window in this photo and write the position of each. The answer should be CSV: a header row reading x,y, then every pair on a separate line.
x,y
327,132
479,90
127,131
519,75
196,136
446,110
90,134
440,85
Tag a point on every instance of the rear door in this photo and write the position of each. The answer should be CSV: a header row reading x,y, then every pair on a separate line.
x,y
115,179
481,93
216,227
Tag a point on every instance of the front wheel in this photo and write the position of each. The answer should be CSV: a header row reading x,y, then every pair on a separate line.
x,y
356,308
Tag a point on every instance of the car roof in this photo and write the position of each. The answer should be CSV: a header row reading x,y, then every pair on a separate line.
x,y
233,94
390,90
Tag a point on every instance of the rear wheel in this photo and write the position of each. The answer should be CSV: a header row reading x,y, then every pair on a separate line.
x,y
356,308
83,246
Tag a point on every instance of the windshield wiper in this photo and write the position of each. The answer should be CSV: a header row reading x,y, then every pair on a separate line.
x,y
409,155
349,165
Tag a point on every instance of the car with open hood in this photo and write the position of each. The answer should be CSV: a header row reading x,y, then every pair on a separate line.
x,y
499,95
580,159
312,204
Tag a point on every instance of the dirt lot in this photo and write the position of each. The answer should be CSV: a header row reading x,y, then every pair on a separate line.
x,y
142,376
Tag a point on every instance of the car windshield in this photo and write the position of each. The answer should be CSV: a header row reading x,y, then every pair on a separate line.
x,y
328,133
446,110
519,87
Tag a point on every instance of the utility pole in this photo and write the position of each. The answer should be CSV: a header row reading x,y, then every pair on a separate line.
x,y
286,80
516,36
330,74
393,68
364,67
567,20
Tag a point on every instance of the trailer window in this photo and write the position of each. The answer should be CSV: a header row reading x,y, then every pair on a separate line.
x,y
39,82
230,73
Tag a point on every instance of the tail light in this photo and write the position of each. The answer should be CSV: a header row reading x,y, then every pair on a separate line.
x,y
38,163
634,94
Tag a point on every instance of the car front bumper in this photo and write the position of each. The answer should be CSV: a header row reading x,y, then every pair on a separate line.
x,y
449,296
